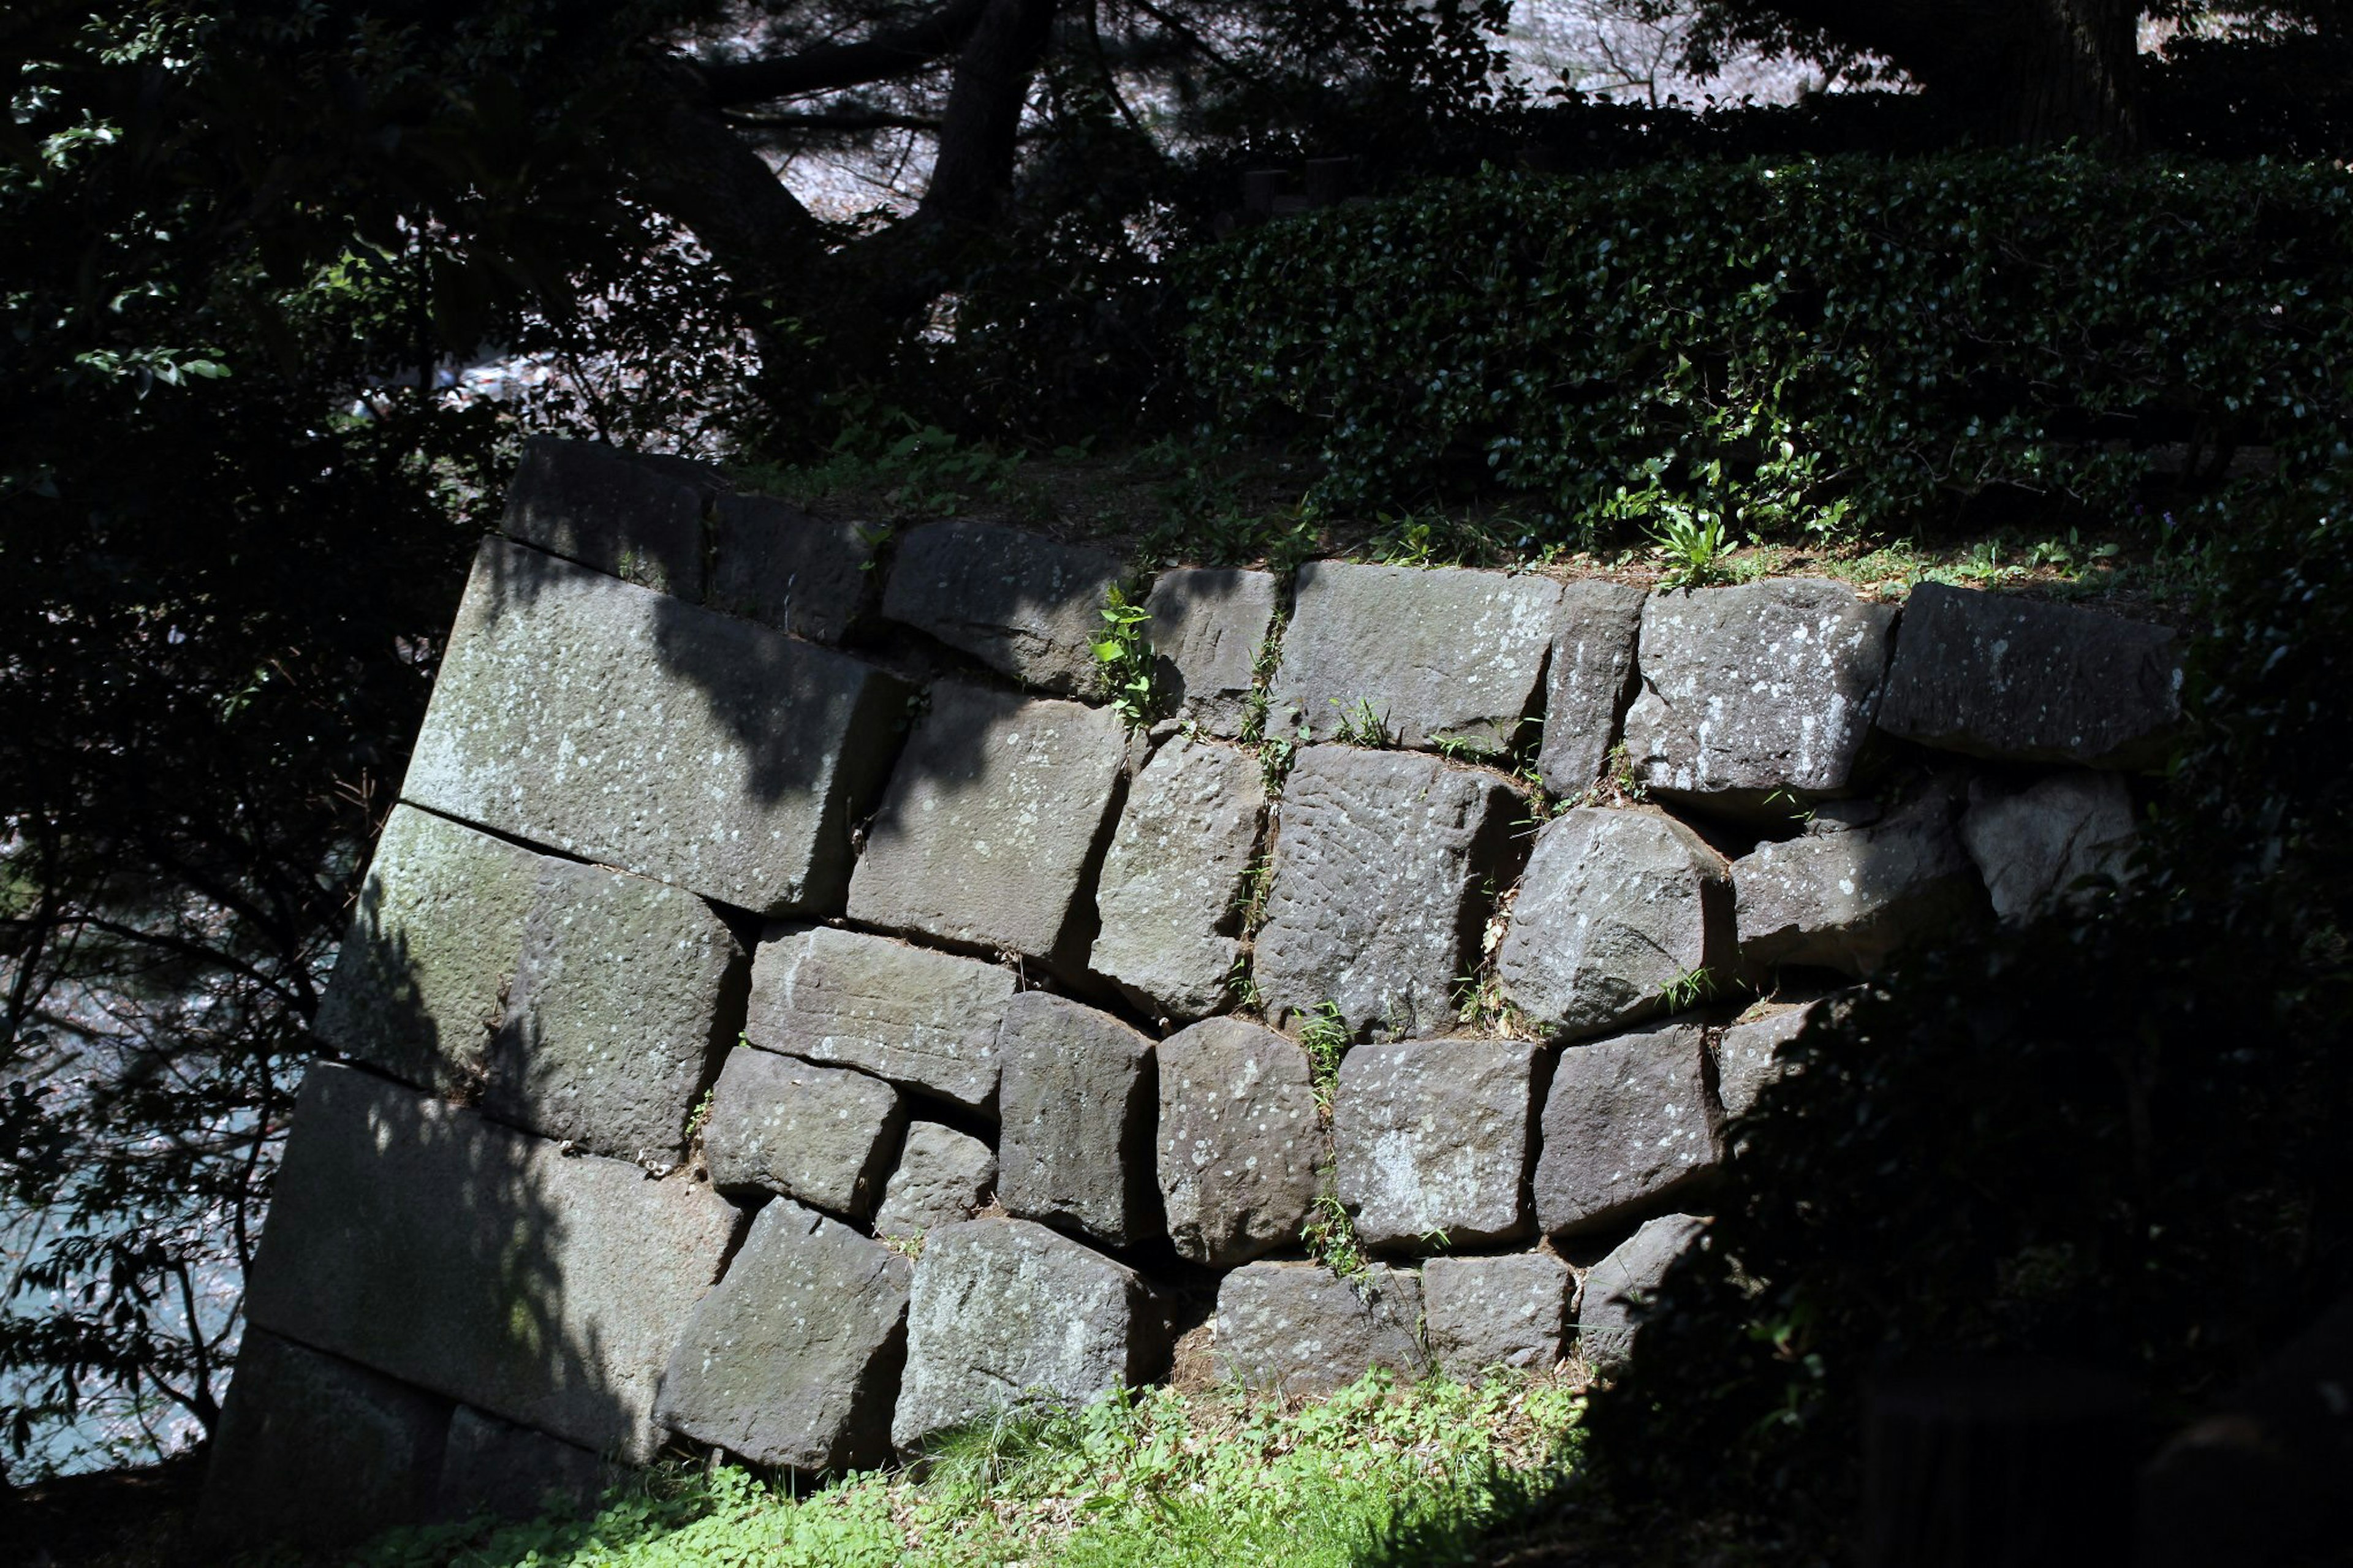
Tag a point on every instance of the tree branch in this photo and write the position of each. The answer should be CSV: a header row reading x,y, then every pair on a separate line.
x,y
980,131
836,120
829,67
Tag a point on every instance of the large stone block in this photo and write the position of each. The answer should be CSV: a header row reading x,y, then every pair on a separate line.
x,y
1447,655
1376,900
1850,898
989,827
1206,629
643,732
625,994
1509,1311
824,1135
420,984
927,1020
1436,1137
1998,677
1021,603
1590,682
1756,696
1076,1107
1616,908
943,1177
483,1264
1238,1141
1007,1312
496,1469
774,563
315,1452
1173,881
794,1359
1749,1050
2031,844
1619,1287
1628,1124
634,516
1299,1329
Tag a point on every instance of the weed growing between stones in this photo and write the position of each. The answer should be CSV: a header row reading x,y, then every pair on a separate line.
x,y
1330,1233
1124,660
1325,1037
1359,725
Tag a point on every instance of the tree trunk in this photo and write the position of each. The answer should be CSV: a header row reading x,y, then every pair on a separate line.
x,y
2075,74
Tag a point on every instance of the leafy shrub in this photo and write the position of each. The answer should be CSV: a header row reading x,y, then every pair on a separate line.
x,y
1807,345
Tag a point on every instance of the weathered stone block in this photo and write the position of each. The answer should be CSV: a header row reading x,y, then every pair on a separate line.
x,y
1377,901
1590,682
1077,1106
1747,1051
1206,629
1437,1136
1438,654
420,982
1173,877
2031,844
497,1470
1238,1135
631,515
1299,1329
943,1178
1850,898
638,730
483,1264
625,992
794,1359
824,1135
1620,1286
315,1452
1021,603
987,829
1998,677
774,563
927,1020
1509,1312
1628,1125
1757,695
1616,908
1007,1312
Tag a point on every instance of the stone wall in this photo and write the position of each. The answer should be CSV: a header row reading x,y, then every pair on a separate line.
x,y
791,1012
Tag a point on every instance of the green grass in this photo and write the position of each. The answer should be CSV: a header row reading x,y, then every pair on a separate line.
x,y
1148,1478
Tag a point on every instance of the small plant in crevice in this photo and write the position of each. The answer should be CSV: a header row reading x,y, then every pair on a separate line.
x,y
1242,985
1123,660
1359,725
1330,1236
1689,989
908,1245
1694,544
1323,1036
701,1116
1274,756
1256,882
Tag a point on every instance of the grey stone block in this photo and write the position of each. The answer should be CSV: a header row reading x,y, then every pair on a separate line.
x,y
315,1452
943,1178
1851,898
421,981
2031,844
483,1264
1173,881
824,1135
1076,1107
1238,1141
988,829
1438,1136
1747,1051
1509,1311
1998,677
633,516
1756,695
1628,1124
643,732
1006,1313
927,1020
794,1359
1206,629
1299,1329
496,1469
1616,907
1439,655
774,563
625,992
1376,901
1021,603
1620,1287
1590,682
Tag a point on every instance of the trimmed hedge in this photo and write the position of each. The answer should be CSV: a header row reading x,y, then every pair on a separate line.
x,y
1799,345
